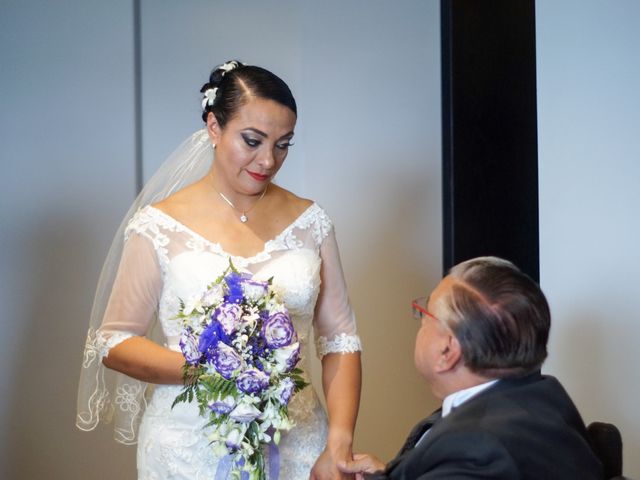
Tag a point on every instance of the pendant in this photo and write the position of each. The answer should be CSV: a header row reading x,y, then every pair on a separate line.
x,y
243,218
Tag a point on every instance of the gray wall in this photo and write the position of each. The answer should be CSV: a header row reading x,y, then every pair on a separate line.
x,y
589,156
366,76
66,137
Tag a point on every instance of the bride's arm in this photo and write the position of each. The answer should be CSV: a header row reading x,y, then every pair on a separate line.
x,y
140,358
341,377
129,313
339,346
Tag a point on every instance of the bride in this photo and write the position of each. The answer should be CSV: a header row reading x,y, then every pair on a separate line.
x,y
190,219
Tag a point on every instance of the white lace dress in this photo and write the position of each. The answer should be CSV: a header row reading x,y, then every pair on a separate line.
x,y
164,261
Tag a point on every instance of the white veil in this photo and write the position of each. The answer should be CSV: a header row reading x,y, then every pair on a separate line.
x,y
98,385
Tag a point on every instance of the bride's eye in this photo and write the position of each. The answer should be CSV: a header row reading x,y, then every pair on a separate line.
x,y
252,142
284,146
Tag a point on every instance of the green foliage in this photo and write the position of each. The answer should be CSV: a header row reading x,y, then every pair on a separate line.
x,y
190,376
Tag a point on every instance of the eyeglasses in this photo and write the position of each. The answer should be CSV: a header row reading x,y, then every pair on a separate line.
x,y
419,312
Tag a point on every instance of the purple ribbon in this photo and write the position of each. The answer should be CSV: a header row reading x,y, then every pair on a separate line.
x,y
226,463
274,461
224,468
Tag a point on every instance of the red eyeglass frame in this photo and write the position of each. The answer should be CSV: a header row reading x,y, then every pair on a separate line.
x,y
416,306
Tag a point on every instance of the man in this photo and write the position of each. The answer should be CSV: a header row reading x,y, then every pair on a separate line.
x,y
481,344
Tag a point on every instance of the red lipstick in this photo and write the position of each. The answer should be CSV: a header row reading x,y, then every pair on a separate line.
x,y
258,177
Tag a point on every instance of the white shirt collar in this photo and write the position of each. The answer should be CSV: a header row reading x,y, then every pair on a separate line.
x,y
458,398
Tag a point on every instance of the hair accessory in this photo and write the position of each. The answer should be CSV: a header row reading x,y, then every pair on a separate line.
x,y
210,93
228,66
209,97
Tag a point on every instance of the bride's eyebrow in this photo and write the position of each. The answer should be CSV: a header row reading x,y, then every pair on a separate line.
x,y
263,134
255,130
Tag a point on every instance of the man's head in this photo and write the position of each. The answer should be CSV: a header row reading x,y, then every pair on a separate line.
x,y
490,320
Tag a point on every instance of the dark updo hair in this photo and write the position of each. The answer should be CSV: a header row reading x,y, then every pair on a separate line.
x,y
236,83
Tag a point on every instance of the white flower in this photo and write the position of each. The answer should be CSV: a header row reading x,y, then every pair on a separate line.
x,y
219,449
285,357
244,413
209,97
228,66
234,437
275,306
193,303
213,296
283,423
270,412
254,291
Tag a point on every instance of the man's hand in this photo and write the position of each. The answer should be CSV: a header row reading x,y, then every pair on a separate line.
x,y
362,463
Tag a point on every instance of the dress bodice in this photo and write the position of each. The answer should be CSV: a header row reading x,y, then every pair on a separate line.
x,y
188,263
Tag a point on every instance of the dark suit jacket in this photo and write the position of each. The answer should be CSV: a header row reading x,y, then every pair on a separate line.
x,y
524,428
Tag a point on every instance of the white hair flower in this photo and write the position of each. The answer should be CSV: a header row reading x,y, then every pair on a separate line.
x,y
209,97
228,66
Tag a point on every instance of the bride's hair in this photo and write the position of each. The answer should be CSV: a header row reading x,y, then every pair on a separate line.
x,y
233,83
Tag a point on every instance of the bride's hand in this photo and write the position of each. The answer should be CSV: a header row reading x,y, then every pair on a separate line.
x,y
326,467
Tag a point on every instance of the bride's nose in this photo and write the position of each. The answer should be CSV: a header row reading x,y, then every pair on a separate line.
x,y
267,159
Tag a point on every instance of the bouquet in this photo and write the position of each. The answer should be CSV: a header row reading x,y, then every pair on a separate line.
x,y
241,352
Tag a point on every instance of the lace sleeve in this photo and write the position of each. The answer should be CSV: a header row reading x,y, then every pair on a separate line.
x,y
334,323
134,296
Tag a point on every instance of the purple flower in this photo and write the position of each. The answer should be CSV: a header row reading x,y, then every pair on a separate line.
x,y
285,390
229,315
222,406
234,282
252,381
278,330
226,360
210,337
189,346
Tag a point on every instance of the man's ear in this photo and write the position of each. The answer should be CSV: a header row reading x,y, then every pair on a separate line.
x,y
213,128
450,354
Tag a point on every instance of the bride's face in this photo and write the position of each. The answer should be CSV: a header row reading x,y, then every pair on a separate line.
x,y
252,146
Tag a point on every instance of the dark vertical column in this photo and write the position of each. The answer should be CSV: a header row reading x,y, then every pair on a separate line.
x,y
489,125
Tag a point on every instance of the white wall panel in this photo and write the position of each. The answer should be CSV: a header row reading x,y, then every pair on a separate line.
x,y
589,156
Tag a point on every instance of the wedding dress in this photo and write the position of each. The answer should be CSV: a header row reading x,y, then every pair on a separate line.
x,y
164,261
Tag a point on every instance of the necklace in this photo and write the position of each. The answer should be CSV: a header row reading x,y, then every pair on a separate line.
x,y
243,213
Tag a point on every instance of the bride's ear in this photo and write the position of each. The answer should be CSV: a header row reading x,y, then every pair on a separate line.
x,y
213,128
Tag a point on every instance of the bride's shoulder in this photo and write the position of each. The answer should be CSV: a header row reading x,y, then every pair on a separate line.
x,y
295,204
307,215
179,203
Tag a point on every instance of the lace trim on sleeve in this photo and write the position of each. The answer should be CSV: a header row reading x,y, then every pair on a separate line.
x,y
105,341
342,343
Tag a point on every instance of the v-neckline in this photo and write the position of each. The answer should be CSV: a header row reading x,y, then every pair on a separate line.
x,y
266,248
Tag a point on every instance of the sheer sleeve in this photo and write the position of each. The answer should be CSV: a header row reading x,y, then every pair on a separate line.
x,y
134,298
334,322
105,394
